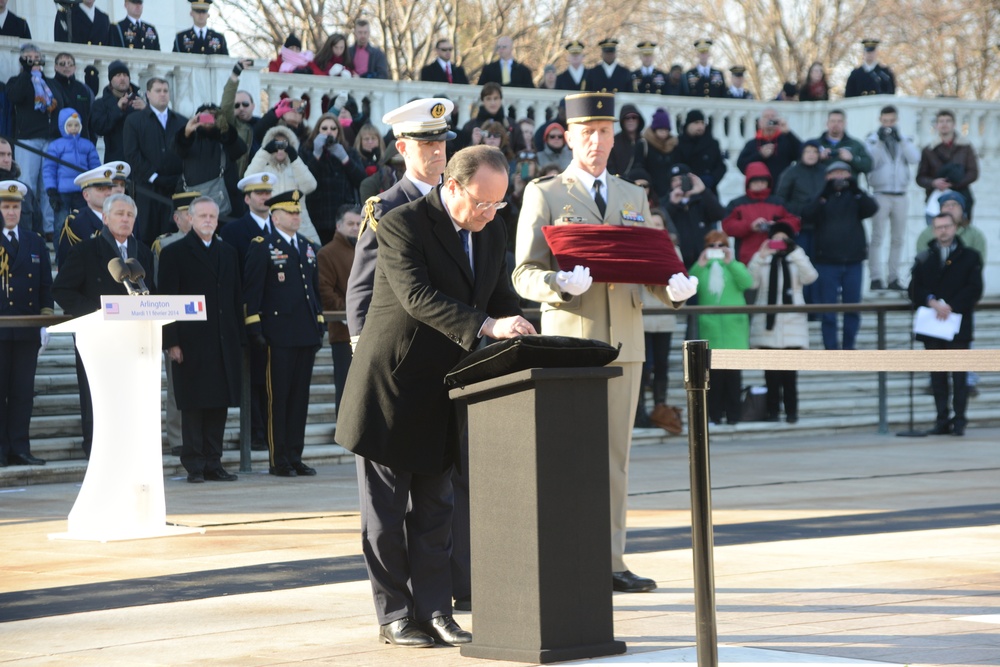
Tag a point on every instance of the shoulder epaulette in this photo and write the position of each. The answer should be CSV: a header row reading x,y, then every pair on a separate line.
x,y
368,215
542,179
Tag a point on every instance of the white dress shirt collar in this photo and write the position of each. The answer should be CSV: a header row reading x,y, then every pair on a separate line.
x,y
423,187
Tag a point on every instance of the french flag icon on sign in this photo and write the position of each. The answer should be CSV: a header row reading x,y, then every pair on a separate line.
x,y
193,307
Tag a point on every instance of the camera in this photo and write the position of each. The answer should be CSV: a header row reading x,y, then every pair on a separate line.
x,y
205,117
686,183
715,253
840,184
280,145
773,122
777,244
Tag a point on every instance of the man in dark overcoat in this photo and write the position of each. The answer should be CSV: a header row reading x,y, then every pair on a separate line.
x,y
206,357
84,277
440,279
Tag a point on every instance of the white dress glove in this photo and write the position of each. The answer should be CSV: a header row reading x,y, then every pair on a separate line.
x,y
44,333
681,287
574,282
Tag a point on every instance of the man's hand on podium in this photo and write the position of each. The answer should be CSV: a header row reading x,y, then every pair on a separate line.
x,y
574,282
507,327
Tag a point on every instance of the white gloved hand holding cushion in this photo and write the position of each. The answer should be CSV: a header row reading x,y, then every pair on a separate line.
x,y
574,282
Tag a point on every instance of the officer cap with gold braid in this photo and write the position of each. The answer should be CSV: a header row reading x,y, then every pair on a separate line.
x,y
182,200
423,120
286,201
122,170
576,46
585,107
12,191
99,176
200,5
262,181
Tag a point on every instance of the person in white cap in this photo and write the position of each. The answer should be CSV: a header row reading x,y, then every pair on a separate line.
x,y
421,130
25,285
96,186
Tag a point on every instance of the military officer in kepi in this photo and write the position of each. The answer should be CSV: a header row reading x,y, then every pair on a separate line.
x,y
284,317
201,39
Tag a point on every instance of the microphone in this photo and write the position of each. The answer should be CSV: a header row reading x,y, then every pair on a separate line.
x,y
121,274
137,273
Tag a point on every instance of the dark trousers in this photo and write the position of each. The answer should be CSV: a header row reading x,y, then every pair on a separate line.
x,y
657,364
461,550
959,384
201,436
86,406
18,360
782,386
342,356
289,373
258,395
724,395
406,538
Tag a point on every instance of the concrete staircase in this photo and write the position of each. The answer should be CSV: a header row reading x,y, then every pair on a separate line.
x,y
829,402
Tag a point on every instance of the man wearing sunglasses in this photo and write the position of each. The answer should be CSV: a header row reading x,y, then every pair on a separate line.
x,y
237,108
443,70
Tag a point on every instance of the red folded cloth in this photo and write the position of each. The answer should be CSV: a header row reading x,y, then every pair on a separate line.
x,y
615,254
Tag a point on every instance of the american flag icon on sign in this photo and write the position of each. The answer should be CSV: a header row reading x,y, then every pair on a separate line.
x,y
111,308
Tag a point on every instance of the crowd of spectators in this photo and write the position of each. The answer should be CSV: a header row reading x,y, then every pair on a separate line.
x,y
813,194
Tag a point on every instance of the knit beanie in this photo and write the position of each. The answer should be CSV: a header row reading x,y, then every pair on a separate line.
x,y
117,67
661,120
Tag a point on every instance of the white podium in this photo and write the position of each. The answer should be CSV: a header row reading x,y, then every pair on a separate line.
x,y
122,493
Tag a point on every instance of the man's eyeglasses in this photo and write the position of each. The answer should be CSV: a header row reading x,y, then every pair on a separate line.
x,y
483,205
717,245
241,104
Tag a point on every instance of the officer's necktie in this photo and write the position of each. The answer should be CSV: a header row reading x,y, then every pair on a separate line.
x,y
602,205
447,69
466,243
14,245
505,73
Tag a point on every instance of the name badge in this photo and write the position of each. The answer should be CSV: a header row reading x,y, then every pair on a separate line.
x,y
35,259
570,220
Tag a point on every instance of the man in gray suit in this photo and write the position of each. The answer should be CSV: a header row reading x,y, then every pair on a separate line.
x,y
585,193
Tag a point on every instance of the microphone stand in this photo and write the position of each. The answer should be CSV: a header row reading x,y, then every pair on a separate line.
x,y
911,432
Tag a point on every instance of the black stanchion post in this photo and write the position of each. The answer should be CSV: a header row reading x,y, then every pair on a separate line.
x,y
883,392
245,428
696,365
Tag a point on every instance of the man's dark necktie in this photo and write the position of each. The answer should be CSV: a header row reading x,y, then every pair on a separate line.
x,y
466,244
602,205
14,245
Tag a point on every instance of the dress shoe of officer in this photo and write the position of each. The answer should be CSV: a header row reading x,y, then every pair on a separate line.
x,y
445,630
25,460
405,632
463,604
175,451
220,475
195,478
282,471
627,582
303,470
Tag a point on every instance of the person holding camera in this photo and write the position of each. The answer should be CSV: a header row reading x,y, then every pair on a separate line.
x,y
779,269
835,145
338,170
841,247
209,152
749,218
694,210
774,145
107,117
36,100
279,155
722,281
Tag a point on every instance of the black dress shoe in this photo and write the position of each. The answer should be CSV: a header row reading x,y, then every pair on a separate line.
x,y
258,446
463,604
304,470
25,460
958,429
195,478
627,582
175,451
220,475
941,428
445,630
405,632
896,286
282,471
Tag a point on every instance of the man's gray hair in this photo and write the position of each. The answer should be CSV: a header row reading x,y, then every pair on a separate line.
x,y
28,46
201,200
466,162
115,198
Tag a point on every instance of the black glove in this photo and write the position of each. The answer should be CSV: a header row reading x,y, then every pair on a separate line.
x,y
28,64
257,340
292,154
54,200
271,147
238,68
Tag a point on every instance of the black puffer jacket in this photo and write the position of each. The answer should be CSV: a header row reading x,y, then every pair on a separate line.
x,y
837,217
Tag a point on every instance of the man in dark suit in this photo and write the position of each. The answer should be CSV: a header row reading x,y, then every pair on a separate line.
x,y
284,317
505,70
84,277
200,39
421,130
132,32
206,358
148,138
572,77
440,280
25,283
608,76
96,186
442,70
12,25
90,24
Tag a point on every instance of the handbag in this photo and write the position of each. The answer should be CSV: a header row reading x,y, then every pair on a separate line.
x,y
753,404
215,188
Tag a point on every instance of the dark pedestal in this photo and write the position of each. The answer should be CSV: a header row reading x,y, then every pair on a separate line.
x,y
541,517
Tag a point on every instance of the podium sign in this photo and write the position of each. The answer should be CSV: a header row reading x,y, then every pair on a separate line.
x,y
122,493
